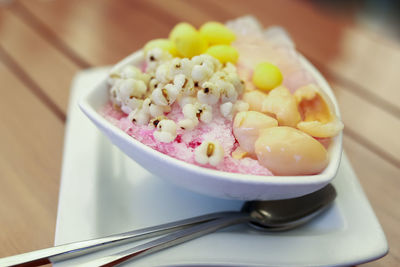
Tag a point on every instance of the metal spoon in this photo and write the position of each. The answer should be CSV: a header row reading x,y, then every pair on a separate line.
x,y
277,215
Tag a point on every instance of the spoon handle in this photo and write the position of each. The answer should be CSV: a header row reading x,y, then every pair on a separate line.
x,y
71,250
169,240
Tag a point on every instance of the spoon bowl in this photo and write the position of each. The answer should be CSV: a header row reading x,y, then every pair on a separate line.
x,y
285,214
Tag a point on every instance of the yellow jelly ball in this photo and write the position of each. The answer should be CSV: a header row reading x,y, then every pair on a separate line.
x,y
187,40
165,44
180,29
217,33
224,53
267,76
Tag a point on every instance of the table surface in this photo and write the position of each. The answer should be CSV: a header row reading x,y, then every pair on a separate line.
x,y
44,43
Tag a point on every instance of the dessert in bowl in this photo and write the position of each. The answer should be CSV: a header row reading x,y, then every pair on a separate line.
x,y
232,112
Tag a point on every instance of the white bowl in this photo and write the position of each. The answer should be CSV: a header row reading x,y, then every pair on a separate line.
x,y
208,181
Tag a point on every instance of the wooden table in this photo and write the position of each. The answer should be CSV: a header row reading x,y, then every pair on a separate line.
x,y
44,43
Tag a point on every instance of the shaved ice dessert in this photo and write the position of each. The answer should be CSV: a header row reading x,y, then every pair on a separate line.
x,y
228,97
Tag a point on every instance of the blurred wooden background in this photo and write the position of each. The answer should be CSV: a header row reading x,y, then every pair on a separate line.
x,y
44,43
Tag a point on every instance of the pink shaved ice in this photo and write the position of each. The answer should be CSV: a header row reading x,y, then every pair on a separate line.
x,y
182,148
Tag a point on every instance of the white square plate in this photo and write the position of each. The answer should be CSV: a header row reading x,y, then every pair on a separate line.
x,y
104,192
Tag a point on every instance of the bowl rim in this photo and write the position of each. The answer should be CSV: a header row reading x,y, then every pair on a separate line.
x,y
325,176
